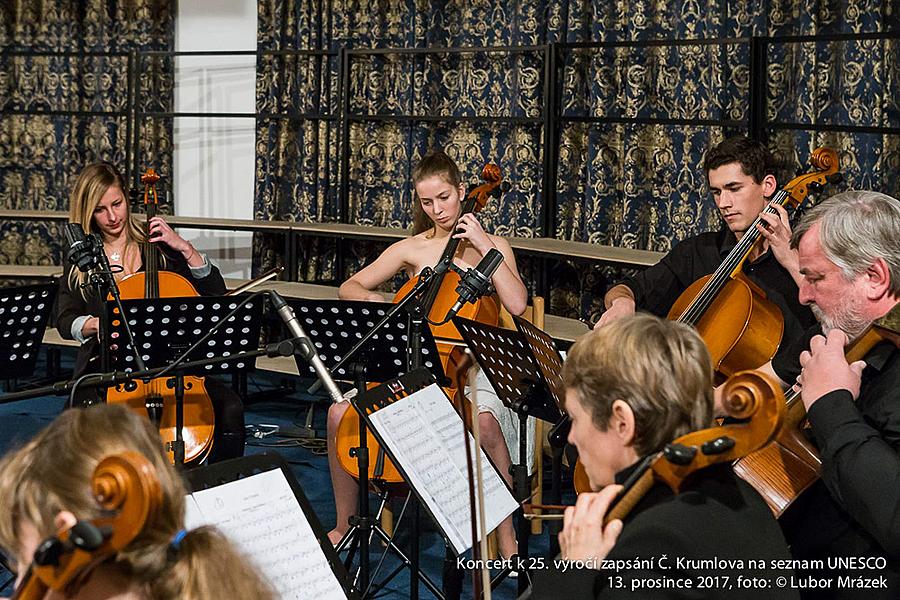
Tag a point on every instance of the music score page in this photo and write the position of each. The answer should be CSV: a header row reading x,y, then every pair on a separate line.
x,y
424,434
263,518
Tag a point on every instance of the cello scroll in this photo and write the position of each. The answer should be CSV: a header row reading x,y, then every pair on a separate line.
x,y
126,487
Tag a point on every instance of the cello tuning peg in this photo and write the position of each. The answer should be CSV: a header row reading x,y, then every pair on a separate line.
x,y
86,536
48,552
815,186
679,454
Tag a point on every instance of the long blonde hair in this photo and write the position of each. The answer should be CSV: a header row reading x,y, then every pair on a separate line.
x,y
93,181
52,473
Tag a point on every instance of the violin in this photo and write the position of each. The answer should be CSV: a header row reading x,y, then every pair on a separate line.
x,y
125,486
441,296
156,399
784,469
742,329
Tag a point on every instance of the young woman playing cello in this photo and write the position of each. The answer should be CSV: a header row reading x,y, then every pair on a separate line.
x,y
436,219
99,202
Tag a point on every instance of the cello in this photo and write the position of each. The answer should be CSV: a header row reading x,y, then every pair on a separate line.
x,y
742,329
126,487
440,295
156,398
786,468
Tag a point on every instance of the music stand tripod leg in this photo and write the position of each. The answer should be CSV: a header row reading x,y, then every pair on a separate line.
x,y
522,490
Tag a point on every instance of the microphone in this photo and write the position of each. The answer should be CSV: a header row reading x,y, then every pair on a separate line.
x,y
305,345
475,282
81,247
501,189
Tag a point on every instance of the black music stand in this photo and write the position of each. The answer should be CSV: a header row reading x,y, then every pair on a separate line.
x,y
522,366
164,328
335,327
212,476
23,319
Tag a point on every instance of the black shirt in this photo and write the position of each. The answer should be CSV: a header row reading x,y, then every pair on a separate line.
x,y
657,288
855,509
705,535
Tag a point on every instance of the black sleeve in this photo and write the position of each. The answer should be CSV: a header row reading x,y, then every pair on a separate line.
x,y
786,362
859,466
70,304
657,288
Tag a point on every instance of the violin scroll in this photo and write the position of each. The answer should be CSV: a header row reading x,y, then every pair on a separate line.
x,y
492,186
126,484
750,395
149,179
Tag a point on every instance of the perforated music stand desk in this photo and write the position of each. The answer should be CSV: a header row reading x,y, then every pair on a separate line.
x,y
335,326
224,472
519,365
164,328
23,318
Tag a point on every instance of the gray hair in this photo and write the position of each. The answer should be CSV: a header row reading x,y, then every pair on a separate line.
x,y
856,228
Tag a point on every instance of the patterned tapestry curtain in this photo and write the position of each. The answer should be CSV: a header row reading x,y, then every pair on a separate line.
x,y
61,112
622,183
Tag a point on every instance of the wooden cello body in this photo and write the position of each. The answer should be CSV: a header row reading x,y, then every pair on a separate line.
x,y
741,327
156,398
787,467
441,295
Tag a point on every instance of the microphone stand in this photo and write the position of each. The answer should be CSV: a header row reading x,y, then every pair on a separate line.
x,y
104,281
111,378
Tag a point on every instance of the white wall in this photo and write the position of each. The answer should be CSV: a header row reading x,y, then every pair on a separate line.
x,y
214,157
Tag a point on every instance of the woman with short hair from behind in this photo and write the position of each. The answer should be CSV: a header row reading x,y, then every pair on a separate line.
x,y
46,486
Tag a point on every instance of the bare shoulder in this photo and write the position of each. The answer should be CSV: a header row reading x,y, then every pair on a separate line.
x,y
501,242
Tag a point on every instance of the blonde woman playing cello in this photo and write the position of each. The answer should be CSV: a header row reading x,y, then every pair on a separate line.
x,y
436,217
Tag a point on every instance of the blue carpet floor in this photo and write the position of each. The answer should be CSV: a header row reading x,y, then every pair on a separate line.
x,y
21,420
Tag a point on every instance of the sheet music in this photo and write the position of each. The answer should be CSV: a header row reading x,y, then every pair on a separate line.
x,y
424,433
261,516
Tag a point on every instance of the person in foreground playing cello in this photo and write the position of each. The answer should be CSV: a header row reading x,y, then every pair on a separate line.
x,y
741,174
99,203
632,387
439,192
46,485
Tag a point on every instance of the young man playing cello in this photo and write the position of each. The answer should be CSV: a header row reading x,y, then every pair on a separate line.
x,y
741,177
436,218
631,388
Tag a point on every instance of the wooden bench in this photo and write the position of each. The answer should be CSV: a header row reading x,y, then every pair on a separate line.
x,y
544,246
30,271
